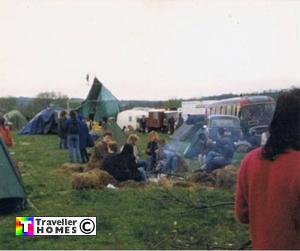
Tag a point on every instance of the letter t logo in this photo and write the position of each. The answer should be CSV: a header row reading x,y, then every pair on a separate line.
x,y
25,225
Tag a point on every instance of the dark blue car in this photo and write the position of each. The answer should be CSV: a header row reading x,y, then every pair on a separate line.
x,y
231,124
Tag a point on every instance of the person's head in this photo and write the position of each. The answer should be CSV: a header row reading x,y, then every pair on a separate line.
x,y
133,139
285,126
2,122
73,114
63,113
221,131
107,137
112,147
127,150
153,136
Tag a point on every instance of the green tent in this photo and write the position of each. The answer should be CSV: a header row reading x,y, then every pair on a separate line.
x,y
118,134
12,193
16,118
100,102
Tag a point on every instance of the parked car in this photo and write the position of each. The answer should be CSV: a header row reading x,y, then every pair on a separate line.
x,y
231,124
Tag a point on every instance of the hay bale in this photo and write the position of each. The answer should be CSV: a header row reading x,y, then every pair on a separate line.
x,y
184,184
206,179
72,168
165,182
84,181
104,178
94,178
131,184
226,177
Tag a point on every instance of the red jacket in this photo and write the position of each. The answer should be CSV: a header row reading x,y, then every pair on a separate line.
x,y
268,198
6,135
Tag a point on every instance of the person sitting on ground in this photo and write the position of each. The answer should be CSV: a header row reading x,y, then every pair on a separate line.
x,y
5,133
73,138
151,149
100,151
62,131
110,159
133,140
122,166
101,148
166,158
222,153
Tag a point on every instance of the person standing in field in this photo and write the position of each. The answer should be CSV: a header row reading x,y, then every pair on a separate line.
x,y
73,137
5,133
268,189
152,146
62,132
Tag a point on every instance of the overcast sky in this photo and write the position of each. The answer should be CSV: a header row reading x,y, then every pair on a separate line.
x,y
148,49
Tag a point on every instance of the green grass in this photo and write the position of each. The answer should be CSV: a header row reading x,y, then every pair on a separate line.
x,y
141,218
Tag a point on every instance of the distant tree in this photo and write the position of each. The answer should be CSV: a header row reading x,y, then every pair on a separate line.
x,y
173,103
44,100
7,104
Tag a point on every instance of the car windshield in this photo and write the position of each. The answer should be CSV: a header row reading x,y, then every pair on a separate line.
x,y
225,122
257,112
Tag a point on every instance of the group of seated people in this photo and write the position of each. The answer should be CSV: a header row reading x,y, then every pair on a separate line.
x,y
126,163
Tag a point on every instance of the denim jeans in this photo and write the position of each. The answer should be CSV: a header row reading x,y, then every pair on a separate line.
x,y
73,148
215,160
171,164
142,173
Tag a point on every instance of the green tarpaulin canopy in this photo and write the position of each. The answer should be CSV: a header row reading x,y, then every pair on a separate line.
x,y
100,102
12,193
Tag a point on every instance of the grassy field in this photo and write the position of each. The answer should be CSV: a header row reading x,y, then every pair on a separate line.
x,y
142,218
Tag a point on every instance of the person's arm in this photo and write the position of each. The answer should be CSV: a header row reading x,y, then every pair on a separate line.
x,y
241,201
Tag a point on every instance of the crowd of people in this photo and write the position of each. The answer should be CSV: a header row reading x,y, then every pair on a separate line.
x,y
124,163
74,135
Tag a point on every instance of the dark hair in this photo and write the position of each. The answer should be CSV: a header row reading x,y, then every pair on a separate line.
x,y
285,126
127,149
221,131
2,121
63,113
73,114
107,134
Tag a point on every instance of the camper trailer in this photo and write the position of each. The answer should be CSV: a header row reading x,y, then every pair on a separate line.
x,y
155,119
130,118
195,107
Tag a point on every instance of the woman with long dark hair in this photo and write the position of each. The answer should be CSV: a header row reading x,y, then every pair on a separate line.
x,y
268,189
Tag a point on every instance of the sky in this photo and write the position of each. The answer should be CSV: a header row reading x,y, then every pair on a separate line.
x,y
148,49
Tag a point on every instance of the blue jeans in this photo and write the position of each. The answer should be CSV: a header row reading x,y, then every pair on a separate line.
x,y
141,163
215,160
73,148
142,173
171,164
